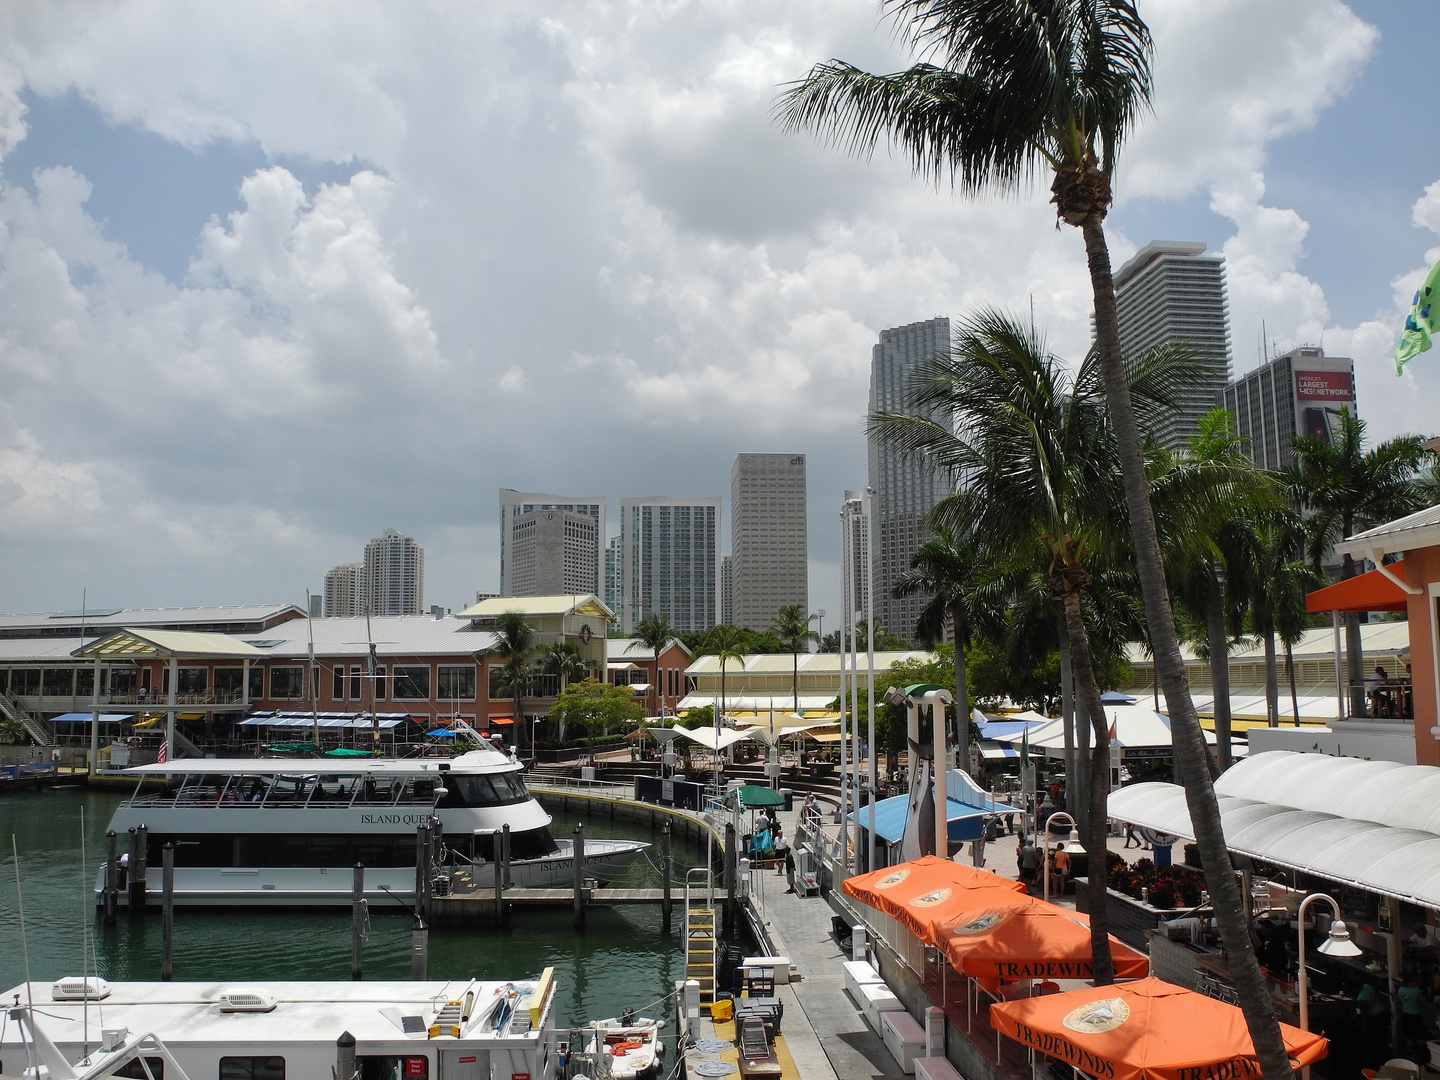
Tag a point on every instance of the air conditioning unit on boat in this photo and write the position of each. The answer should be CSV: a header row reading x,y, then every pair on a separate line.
x,y
246,1001
75,988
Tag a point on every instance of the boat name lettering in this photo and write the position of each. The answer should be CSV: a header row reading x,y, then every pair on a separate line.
x,y
394,819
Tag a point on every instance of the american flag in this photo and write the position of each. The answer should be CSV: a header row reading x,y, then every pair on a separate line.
x,y
163,754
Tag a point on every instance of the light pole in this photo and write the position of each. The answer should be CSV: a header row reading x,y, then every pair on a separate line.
x,y
820,626
1072,844
1338,943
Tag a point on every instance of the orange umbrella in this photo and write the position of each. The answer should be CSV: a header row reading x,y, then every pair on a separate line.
x,y
1029,939
1146,1030
921,890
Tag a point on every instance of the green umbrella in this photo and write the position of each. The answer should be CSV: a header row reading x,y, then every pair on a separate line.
x,y
753,795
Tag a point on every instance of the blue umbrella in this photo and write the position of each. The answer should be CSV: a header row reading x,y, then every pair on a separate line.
x,y
441,733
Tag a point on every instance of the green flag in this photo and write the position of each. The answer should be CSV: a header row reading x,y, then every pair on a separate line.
x,y
1420,326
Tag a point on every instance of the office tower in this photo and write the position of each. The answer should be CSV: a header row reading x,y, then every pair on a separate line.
x,y
727,591
394,575
855,553
516,504
905,486
768,549
345,591
1300,393
1171,291
552,553
669,558
614,581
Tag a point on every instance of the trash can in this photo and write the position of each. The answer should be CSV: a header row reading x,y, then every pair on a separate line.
x,y
1162,856
789,797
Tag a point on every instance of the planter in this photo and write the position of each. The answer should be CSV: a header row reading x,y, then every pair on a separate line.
x,y
1128,917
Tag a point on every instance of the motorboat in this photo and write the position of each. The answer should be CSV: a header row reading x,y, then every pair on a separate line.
x,y
87,1028
289,831
626,1047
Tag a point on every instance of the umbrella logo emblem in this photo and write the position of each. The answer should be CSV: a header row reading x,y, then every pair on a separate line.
x,y
984,924
889,881
1095,1017
930,899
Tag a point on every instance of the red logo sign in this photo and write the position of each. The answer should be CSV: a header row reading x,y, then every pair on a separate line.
x,y
519,1076
417,1066
1324,386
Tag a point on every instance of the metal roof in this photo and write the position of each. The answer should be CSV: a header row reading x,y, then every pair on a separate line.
x,y
1418,530
1387,638
137,643
810,663
394,635
568,604
634,647
167,616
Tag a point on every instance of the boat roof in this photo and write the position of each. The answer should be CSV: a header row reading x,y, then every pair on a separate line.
x,y
472,761
305,1012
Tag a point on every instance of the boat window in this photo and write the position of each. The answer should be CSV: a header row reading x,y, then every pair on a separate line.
x,y
393,1068
151,1068
252,1068
483,790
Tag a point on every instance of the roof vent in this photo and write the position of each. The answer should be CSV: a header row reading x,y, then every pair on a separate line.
x,y
246,1001
75,988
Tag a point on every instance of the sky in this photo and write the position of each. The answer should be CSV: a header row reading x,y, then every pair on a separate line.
x,y
275,278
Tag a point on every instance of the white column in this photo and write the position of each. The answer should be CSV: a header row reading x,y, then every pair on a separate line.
x,y
170,700
95,719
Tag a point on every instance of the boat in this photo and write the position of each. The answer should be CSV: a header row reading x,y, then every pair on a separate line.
x,y
626,1047
289,831
87,1028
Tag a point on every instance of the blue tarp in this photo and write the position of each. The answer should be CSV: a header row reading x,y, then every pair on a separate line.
x,y
441,733
965,817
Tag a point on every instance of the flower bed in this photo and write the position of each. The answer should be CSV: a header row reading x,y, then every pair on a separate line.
x,y
1164,888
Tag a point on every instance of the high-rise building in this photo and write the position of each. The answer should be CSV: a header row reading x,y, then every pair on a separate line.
x,y
552,553
345,591
669,559
727,592
394,575
515,505
905,486
1299,393
768,548
614,581
1171,291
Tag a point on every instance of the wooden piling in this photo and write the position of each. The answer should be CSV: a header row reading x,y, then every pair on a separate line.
x,y
139,850
357,926
665,875
167,913
112,879
578,853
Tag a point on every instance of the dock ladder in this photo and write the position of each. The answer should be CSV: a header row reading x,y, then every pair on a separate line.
x,y
700,940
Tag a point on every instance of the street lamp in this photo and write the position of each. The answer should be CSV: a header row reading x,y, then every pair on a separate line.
x,y
1337,943
1072,843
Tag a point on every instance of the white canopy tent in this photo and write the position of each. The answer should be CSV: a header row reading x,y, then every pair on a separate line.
x,y
1139,731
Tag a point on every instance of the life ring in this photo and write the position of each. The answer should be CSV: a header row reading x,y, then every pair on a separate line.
x,y
621,1049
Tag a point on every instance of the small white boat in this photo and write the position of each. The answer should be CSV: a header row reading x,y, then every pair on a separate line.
x,y
626,1047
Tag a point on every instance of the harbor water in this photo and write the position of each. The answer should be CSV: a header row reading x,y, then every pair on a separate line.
x,y
623,957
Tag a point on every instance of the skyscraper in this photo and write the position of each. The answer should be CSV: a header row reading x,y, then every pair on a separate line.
x,y
669,559
394,575
552,552
727,591
345,591
905,486
515,505
1171,291
768,548
614,582
1300,393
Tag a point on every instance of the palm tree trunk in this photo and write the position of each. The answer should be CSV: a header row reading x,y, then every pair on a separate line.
x,y
1219,668
1101,962
1067,697
519,719
962,693
1272,682
1189,747
1290,672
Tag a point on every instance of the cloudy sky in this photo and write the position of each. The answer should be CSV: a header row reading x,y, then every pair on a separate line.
x,y
275,277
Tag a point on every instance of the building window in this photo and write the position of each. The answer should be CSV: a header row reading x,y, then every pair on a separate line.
x,y
252,1068
257,683
84,682
412,683
193,680
337,683
380,682
25,682
228,681
355,682
455,683
59,682
287,682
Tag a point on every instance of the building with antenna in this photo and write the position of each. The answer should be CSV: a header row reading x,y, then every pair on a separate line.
x,y
1299,393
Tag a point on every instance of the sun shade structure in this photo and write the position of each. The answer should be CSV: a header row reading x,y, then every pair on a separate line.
x,y
1030,939
753,795
705,736
924,884
1139,731
1145,1030
1371,591
1371,824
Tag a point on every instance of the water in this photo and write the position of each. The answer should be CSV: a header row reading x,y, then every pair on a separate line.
x,y
623,957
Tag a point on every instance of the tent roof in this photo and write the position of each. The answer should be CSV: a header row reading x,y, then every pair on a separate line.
x,y
1371,591
755,795
1135,726
966,808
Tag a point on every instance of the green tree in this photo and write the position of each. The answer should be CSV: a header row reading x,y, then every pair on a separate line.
x,y
515,645
655,633
725,643
752,642
1344,489
590,706
564,661
792,626
1027,87
885,641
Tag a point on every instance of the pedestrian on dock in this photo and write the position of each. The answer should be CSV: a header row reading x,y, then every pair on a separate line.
x,y
1028,862
780,844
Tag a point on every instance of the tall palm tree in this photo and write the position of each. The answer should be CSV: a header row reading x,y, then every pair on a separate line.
x,y
1345,488
1032,452
726,643
655,633
792,626
515,645
1026,87
565,661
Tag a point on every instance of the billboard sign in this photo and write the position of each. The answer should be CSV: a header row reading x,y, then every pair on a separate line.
x,y
1332,386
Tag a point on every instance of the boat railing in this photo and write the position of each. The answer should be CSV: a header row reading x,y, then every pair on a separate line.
x,y
699,886
252,793
577,783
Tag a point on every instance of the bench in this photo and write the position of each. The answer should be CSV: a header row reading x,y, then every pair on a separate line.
x,y
859,973
935,1068
876,998
904,1038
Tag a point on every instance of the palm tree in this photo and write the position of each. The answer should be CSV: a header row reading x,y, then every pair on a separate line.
x,y
725,643
655,633
1051,86
1345,488
1033,455
515,644
792,626
565,661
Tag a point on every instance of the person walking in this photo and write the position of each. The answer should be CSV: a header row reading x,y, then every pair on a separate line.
x,y
1130,835
1029,862
779,843
1060,869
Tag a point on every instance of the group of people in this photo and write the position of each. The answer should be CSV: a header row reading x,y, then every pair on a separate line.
x,y
1032,867
1389,697
768,843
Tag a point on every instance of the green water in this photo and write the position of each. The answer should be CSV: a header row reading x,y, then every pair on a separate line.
x,y
623,957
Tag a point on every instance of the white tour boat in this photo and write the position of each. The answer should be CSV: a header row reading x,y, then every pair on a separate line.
x,y
289,831
86,1029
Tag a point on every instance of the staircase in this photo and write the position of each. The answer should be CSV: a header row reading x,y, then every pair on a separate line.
x,y
700,943
38,729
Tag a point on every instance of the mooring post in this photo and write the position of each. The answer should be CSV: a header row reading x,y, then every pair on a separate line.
x,y
665,875
112,879
503,870
345,1056
731,872
578,852
357,926
139,861
167,912
422,869
419,950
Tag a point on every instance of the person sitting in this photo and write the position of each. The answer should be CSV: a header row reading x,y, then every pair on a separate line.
x,y
1380,704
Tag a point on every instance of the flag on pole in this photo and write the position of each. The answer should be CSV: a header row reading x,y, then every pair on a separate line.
x,y
1025,747
1420,325
163,754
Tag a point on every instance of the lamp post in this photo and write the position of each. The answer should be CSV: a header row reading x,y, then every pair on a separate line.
x,y
1337,943
1072,843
